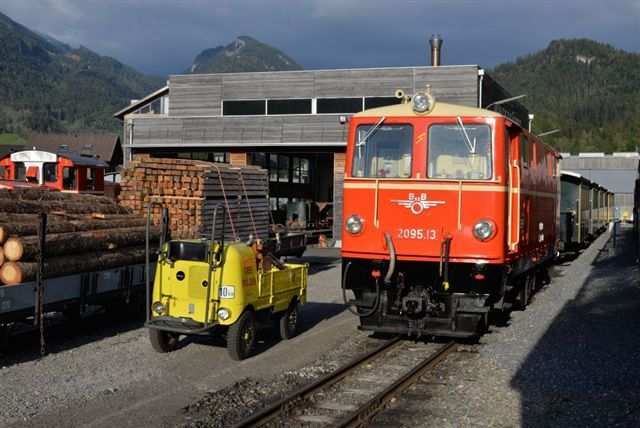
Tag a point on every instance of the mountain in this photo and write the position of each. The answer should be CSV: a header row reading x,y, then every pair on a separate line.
x,y
590,90
243,54
48,86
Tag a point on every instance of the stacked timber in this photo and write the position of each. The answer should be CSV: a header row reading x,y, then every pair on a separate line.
x,y
194,192
84,233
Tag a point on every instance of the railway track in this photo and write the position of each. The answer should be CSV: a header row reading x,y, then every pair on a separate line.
x,y
352,395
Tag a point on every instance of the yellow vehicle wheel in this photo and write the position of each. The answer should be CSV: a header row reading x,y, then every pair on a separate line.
x,y
163,341
241,337
290,321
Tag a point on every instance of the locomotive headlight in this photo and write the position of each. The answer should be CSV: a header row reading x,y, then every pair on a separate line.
x,y
354,224
422,102
484,230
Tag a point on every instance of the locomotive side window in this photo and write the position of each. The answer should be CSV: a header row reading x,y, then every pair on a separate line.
x,y
20,172
524,152
69,178
50,172
460,154
383,151
91,179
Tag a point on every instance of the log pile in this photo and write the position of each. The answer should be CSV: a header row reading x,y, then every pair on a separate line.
x,y
85,233
191,190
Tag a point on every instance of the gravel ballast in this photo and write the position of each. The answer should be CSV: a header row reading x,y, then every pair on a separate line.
x,y
570,359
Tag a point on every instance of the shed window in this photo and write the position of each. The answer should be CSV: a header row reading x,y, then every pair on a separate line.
x,y
273,167
373,102
244,108
295,106
339,105
300,170
283,169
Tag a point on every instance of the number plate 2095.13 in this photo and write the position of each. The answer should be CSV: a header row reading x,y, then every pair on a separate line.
x,y
417,234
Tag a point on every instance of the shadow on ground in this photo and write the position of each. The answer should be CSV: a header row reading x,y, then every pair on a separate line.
x,y
585,371
313,313
62,335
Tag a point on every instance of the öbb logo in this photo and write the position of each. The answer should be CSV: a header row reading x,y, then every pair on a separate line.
x,y
417,204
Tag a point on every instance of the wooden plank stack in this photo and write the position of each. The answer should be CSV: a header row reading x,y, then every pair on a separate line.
x,y
192,189
84,233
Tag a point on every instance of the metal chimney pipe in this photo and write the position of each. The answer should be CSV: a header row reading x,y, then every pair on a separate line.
x,y
436,47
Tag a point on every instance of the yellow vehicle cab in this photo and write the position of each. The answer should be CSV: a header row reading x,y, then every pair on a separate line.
x,y
208,287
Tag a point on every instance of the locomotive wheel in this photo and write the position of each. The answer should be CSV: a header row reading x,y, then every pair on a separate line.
x,y
290,321
241,337
524,291
163,341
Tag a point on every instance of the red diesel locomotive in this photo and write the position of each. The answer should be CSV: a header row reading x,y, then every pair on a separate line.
x,y
66,171
450,211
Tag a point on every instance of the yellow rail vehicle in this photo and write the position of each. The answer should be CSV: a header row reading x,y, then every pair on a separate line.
x,y
208,287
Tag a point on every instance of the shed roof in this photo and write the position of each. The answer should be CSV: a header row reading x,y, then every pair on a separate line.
x,y
141,102
101,146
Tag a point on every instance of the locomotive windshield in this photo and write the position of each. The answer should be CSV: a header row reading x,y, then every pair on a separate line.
x,y
383,151
460,152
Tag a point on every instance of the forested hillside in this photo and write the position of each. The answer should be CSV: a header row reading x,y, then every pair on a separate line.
x,y
48,86
590,90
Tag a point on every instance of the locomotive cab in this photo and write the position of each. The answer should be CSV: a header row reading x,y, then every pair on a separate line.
x,y
437,228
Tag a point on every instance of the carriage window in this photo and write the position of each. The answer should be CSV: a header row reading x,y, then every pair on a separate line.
x,y
91,179
20,172
69,178
460,154
383,151
50,172
524,152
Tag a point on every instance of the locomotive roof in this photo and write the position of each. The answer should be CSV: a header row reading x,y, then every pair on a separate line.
x,y
440,109
46,156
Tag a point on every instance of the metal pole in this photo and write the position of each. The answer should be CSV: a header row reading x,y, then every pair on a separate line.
x,y
42,232
146,264
210,256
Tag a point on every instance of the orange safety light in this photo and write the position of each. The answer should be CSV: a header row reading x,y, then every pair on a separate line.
x,y
376,273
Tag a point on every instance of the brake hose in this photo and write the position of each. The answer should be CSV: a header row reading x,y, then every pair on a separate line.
x,y
346,302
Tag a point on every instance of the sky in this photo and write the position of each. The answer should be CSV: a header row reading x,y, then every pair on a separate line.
x,y
163,36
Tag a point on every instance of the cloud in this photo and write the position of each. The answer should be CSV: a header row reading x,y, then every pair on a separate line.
x,y
163,36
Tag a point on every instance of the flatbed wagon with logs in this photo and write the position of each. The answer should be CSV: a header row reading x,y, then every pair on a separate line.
x,y
66,252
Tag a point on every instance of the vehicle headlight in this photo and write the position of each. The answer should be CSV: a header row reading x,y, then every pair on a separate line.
x,y
484,230
421,102
224,314
158,308
354,224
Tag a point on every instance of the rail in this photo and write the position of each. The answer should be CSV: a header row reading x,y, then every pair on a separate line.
x,y
363,414
262,417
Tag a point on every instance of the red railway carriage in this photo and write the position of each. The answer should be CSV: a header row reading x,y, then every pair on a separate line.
x,y
66,171
449,211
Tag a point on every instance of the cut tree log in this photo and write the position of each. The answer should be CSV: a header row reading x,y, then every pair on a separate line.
x,y
68,206
28,229
26,248
12,273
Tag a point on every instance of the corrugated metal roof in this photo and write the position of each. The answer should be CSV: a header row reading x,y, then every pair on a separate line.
x,y
101,146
